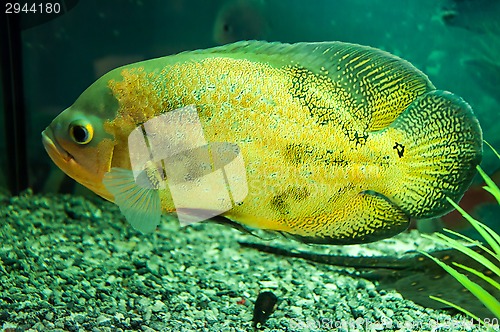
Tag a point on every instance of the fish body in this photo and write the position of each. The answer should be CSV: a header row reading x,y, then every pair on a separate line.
x,y
341,143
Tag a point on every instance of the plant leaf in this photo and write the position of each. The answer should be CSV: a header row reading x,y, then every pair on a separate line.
x,y
456,306
471,241
443,239
481,228
491,187
479,274
486,298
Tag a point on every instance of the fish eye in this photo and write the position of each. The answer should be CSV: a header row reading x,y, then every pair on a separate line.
x,y
81,132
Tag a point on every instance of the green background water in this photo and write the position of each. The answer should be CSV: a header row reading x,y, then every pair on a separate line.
x,y
456,43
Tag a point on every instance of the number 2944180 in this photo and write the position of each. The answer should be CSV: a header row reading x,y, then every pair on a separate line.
x,y
32,8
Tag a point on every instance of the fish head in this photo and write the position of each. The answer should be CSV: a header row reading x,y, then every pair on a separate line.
x,y
78,142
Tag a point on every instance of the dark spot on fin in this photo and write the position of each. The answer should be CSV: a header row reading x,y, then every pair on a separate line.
x,y
400,149
264,307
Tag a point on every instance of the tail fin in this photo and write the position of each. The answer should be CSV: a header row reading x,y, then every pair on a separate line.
x,y
442,147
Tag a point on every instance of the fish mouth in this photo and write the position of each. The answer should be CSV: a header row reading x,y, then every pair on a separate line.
x,y
54,149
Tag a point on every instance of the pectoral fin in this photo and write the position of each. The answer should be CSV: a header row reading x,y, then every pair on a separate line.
x,y
140,206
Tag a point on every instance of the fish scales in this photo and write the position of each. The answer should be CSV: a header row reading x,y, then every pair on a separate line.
x,y
289,116
341,143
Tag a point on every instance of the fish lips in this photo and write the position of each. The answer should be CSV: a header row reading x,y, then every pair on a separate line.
x,y
53,148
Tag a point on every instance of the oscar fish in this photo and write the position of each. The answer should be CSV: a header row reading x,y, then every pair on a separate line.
x,y
341,143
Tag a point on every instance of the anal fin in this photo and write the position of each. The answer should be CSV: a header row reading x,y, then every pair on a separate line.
x,y
369,216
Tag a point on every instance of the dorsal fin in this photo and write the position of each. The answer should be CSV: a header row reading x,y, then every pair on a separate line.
x,y
382,84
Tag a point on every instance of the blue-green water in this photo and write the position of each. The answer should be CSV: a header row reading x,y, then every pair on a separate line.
x,y
455,44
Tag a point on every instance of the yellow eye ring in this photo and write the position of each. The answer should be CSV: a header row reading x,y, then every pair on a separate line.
x,y
81,132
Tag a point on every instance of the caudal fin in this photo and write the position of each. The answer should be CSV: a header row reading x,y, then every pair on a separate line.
x,y
442,145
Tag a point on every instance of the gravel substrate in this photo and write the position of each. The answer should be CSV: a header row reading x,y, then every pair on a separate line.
x,y
72,264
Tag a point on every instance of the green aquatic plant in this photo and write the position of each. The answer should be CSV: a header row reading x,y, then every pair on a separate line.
x,y
492,247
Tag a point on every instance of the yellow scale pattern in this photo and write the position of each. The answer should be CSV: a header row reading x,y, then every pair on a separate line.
x,y
267,111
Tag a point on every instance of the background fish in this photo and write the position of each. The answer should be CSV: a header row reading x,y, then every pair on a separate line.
x,y
480,18
342,143
240,20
